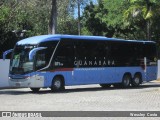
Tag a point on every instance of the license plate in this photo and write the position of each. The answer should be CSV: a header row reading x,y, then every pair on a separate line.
x,y
17,84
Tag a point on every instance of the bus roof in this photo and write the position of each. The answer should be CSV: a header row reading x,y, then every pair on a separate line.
x,y
42,38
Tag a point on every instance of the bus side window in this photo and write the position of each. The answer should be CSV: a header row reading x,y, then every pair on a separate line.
x,y
64,55
150,53
40,60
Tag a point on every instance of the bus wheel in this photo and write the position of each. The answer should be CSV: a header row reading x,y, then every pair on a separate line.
x,y
126,81
105,85
136,80
35,90
57,84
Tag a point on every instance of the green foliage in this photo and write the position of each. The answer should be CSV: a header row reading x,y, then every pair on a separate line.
x,y
67,26
143,14
106,18
33,16
127,19
92,20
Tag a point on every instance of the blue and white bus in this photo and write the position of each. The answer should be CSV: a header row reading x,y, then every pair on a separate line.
x,y
56,61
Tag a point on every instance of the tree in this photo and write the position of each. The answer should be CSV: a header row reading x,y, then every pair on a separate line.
x,y
143,13
127,19
79,15
19,15
105,18
68,14
53,20
79,5
92,21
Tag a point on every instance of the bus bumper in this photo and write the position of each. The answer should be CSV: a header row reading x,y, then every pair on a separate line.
x,y
31,82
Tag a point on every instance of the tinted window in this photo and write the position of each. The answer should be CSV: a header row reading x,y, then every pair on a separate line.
x,y
91,53
64,56
43,56
150,53
127,53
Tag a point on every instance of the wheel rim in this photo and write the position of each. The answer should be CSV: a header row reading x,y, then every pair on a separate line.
x,y
57,84
126,81
137,80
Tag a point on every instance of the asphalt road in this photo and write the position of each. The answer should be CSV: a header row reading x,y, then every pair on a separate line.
x,y
83,98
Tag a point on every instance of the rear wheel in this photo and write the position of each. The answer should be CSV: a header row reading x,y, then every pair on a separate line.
x,y
35,90
105,85
57,84
126,81
136,80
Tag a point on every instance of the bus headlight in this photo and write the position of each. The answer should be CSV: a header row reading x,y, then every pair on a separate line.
x,y
27,77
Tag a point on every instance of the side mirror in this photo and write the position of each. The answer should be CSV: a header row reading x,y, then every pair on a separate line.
x,y
6,53
33,52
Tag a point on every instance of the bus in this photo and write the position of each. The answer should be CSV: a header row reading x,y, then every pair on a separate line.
x,y
56,61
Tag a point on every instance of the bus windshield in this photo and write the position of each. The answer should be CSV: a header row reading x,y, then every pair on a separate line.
x,y
20,63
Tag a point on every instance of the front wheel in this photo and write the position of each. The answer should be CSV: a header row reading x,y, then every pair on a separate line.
x,y
35,90
57,84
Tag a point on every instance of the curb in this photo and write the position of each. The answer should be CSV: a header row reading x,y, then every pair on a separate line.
x,y
157,81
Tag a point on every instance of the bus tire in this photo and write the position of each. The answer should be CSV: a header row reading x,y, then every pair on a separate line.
x,y
126,80
57,84
136,81
35,90
105,85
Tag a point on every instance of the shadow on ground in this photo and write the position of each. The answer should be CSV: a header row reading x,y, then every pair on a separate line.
x,y
23,91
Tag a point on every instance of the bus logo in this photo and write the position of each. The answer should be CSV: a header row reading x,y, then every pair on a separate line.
x,y
6,114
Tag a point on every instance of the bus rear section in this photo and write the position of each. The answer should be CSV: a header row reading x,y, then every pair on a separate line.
x,y
105,62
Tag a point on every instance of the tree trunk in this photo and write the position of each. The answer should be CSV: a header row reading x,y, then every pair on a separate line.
x,y
53,19
149,8
79,14
148,30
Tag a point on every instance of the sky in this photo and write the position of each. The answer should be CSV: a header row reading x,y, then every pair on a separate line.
x,y
76,10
